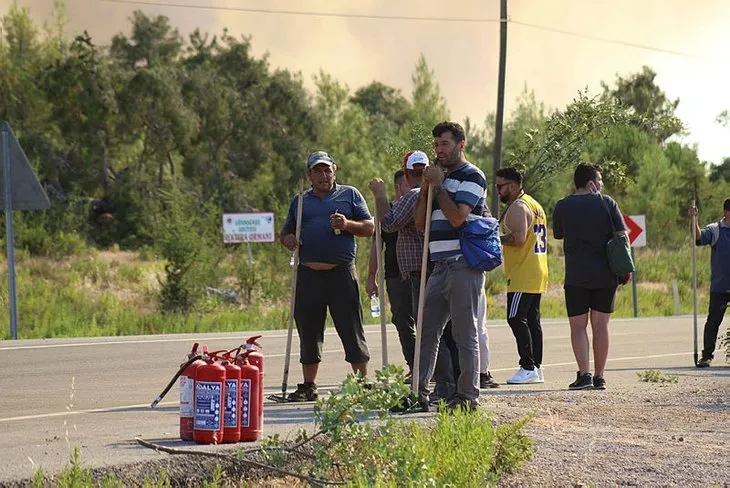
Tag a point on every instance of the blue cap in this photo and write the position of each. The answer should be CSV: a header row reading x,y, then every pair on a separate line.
x,y
319,157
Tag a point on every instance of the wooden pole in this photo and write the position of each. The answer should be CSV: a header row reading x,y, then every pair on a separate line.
x,y
422,294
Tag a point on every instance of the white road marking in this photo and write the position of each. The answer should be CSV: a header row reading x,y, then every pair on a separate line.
x,y
369,329
146,405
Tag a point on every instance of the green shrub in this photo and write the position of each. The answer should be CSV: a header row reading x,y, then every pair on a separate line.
x,y
186,239
654,376
460,449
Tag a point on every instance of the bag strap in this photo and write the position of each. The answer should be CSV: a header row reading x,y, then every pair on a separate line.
x,y
608,211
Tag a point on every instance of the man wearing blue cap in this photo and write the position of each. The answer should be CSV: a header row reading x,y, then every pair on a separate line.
x,y
332,215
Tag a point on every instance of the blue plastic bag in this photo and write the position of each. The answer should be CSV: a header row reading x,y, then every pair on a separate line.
x,y
480,245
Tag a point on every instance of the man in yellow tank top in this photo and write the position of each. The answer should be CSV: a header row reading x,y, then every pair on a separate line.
x,y
524,247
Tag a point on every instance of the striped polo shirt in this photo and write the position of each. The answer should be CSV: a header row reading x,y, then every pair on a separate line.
x,y
465,185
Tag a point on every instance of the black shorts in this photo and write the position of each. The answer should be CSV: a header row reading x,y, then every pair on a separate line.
x,y
579,300
338,290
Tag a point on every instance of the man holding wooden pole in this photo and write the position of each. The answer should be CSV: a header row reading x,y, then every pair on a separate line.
x,y
458,190
332,216
717,236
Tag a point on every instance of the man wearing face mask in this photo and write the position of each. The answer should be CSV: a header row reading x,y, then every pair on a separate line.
x,y
524,247
585,221
332,216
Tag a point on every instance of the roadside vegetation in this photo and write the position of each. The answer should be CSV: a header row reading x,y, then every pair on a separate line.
x,y
654,376
112,292
357,444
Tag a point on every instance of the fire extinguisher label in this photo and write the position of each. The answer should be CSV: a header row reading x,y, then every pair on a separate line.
x,y
245,402
230,418
208,397
186,396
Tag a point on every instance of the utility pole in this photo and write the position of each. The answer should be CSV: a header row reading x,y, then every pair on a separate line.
x,y
500,99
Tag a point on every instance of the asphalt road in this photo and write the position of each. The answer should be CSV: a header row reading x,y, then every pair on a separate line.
x,y
94,394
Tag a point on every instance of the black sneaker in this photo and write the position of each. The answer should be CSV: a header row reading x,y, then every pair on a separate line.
x,y
464,404
599,383
410,404
582,382
305,392
704,363
486,381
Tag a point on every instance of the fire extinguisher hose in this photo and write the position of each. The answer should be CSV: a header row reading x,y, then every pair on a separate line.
x,y
174,379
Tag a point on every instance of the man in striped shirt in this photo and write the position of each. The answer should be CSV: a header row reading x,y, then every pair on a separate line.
x,y
453,289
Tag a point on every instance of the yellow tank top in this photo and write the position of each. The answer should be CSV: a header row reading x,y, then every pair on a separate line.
x,y
526,266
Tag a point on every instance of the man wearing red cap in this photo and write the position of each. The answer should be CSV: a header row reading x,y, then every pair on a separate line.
x,y
409,246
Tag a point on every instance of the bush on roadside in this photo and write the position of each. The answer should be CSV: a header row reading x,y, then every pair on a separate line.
x,y
373,448
186,239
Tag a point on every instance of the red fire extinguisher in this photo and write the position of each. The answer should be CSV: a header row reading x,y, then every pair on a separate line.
x,y
251,416
231,410
209,398
187,386
256,358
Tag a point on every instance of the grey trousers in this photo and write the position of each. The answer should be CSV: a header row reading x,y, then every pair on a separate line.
x,y
443,373
452,292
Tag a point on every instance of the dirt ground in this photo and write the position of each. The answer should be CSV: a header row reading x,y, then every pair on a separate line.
x,y
643,434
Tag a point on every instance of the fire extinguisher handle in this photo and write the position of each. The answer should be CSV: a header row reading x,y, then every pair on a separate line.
x,y
220,354
252,341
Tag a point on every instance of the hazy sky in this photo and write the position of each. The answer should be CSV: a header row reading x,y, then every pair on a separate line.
x,y
464,55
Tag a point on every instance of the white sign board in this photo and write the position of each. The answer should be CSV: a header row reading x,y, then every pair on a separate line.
x,y
248,227
636,224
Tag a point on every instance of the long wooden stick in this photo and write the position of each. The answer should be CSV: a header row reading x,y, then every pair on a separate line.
x,y
693,225
381,286
292,302
421,294
235,458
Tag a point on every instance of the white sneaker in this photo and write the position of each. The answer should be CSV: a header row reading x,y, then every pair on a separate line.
x,y
540,375
523,377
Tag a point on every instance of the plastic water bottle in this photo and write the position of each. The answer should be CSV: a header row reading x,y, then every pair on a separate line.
x,y
374,305
291,260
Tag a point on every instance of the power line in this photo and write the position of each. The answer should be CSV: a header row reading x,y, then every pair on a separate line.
x,y
609,41
302,12
472,20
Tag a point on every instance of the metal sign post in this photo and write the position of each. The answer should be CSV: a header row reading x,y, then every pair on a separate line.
x,y
636,225
9,237
20,191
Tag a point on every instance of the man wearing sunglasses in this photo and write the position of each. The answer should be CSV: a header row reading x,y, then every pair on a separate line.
x,y
524,247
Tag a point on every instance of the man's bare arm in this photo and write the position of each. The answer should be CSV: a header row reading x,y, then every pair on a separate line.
x,y
371,285
518,221
381,205
419,218
360,228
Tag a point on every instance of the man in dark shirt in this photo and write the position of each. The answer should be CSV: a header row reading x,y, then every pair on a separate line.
x,y
717,236
585,221
332,215
399,291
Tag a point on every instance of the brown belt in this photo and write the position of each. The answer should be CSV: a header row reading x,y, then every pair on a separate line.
x,y
320,266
